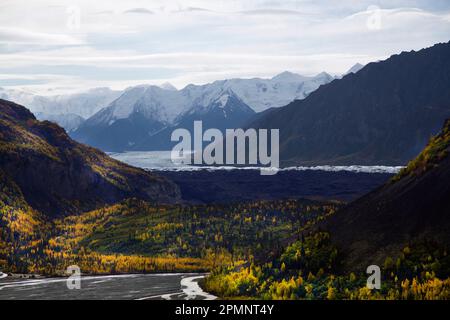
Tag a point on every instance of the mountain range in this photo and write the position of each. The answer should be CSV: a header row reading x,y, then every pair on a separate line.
x,y
133,115
68,121
68,110
380,114
383,114
143,116
83,104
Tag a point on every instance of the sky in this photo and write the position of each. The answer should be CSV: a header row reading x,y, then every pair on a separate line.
x,y
58,46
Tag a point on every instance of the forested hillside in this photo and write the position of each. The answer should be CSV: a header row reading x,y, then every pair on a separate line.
x,y
59,176
136,236
402,227
413,205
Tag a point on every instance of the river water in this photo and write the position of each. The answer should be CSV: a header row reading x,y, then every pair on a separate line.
x,y
164,286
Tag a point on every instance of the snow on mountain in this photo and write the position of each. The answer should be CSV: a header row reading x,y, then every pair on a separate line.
x,y
68,121
23,97
143,117
83,104
165,104
224,110
287,76
145,109
222,101
151,102
262,94
168,86
355,68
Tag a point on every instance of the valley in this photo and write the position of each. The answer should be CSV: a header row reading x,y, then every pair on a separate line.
x,y
222,186
363,182
135,237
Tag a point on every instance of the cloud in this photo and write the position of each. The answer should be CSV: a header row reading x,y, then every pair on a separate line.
x,y
13,35
182,68
272,12
184,41
195,9
80,56
139,11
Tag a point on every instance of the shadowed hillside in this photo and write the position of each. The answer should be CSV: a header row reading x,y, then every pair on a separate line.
x,y
58,176
402,227
413,206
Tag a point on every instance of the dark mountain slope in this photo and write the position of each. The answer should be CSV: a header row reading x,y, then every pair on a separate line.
x,y
59,176
122,135
384,114
414,205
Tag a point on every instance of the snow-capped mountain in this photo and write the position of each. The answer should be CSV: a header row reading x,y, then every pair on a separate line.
x,y
226,103
225,111
165,103
355,68
143,122
84,104
23,97
68,121
146,111
118,119
262,94
67,110
152,102
168,86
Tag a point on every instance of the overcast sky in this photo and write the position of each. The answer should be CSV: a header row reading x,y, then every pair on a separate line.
x,y
61,46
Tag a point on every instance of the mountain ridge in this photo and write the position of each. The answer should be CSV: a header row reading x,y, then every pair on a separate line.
x,y
382,115
167,107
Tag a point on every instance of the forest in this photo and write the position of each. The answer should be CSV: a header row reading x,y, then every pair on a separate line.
x,y
262,249
309,269
136,236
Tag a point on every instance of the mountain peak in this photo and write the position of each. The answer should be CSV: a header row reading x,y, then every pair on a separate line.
x,y
14,111
224,96
323,75
288,76
98,90
168,86
356,67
